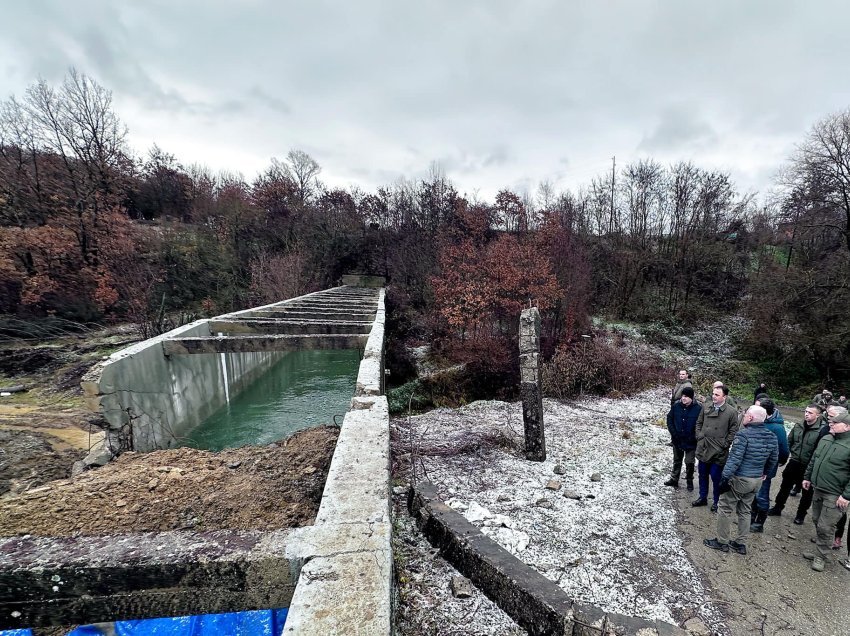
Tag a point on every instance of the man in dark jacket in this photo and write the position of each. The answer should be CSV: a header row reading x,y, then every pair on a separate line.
x,y
683,382
760,389
775,423
828,473
754,454
716,428
802,442
682,424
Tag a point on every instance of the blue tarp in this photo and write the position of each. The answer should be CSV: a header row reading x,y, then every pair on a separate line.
x,y
257,623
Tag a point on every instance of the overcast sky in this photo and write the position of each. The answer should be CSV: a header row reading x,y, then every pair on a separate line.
x,y
500,93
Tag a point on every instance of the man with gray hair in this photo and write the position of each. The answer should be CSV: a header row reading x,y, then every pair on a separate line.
x,y
828,473
754,454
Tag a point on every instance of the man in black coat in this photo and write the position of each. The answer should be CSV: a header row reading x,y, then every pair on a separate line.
x,y
682,423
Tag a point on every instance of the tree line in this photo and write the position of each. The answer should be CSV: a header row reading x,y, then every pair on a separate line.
x,y
89,231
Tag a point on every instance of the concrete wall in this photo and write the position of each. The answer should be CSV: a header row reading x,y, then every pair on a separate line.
x,y
159,399
345,584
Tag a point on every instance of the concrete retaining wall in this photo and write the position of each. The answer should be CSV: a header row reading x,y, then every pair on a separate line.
x,y
532,600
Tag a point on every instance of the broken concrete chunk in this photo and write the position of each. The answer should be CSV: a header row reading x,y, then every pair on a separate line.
x,y
558,469
696,626
461,587
476,512
596,477
544,503
572,494
99,456
553,484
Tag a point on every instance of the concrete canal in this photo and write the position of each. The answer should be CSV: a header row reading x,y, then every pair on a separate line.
x,y
304,389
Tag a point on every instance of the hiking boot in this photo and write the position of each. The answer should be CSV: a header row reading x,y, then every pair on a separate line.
x,y
798,521
702,501
774,512
837,543
672,482
818,564
758,523
740,548
809,556
714,544
690,485
714,507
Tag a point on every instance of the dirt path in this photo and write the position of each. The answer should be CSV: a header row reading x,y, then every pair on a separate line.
x,y
771,590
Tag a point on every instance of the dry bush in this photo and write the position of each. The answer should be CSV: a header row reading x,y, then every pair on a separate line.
x,y
598,367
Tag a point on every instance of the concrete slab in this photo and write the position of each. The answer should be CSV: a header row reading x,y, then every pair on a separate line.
x,y
357,486
346,591
292,327
71,580
250,344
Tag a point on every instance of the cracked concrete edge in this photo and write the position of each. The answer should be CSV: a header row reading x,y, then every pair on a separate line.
x,y
345,578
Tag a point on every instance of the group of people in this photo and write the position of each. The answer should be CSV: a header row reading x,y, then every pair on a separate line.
x,y
737,454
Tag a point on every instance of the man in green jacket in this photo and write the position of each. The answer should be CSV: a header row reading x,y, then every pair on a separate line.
x,y
828,473
802,440
681,384
716,428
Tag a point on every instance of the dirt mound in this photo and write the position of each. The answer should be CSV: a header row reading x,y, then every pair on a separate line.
x,y
249,488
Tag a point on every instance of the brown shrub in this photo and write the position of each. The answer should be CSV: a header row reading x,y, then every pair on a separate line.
x,y
597,367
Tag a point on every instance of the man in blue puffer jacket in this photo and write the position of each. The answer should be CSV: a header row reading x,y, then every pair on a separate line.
x,y
682,424
775,423
753,456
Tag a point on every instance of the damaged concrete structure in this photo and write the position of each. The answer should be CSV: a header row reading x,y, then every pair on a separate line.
x,y
153,393
334,576
536,603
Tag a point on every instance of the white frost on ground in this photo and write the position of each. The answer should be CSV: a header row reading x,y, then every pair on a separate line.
x,y
617,546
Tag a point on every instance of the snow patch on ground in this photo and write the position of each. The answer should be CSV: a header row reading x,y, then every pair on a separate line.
x,y
616,546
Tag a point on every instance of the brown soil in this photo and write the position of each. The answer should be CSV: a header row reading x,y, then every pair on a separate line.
x,y
249,488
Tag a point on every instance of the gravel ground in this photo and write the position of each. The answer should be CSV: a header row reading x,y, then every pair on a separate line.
x,y
626,543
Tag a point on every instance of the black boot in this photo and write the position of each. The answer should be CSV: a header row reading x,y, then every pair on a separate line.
x,y
702,501
758,524
689,476
672,482
776,511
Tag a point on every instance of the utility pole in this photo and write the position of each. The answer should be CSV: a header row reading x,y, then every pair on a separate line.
x,y
613,177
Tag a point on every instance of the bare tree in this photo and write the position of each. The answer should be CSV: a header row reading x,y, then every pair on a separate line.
x,y
821,168
303,170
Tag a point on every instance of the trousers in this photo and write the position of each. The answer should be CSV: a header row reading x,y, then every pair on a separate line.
x,y
714,471
736,503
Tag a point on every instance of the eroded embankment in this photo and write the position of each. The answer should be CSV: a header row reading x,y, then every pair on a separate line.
x,y
250,488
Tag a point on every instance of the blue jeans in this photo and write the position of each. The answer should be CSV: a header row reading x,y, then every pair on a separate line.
x,y
763,498
715,471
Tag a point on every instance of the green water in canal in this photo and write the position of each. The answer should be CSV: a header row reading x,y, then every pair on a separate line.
x,y
304,389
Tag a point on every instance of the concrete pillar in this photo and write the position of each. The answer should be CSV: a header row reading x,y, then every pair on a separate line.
x,y
530,385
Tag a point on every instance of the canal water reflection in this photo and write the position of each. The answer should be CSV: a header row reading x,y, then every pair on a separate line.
x,y
304,389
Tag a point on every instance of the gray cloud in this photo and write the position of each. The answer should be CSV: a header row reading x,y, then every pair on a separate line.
x,y
499,92
680,129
